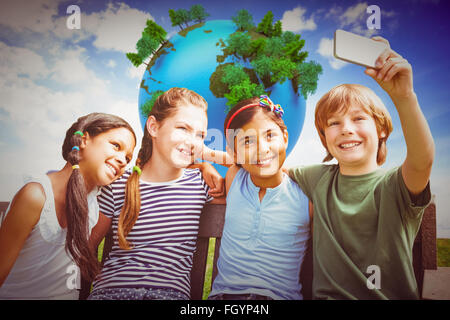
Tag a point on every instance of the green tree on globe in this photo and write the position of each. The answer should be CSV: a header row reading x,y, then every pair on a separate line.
x,y
226,61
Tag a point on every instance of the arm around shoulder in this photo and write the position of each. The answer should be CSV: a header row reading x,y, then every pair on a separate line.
x,y
100,230
23,215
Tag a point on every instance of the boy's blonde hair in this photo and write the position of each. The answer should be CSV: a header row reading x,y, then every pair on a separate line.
x,y
340,99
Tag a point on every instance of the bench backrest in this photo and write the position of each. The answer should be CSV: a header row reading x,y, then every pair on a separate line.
x,y
211,226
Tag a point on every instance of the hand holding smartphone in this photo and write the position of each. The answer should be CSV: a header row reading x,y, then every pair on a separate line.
x,y
356,49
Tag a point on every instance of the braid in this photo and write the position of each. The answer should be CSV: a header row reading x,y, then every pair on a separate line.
x,y
77,209
164,107
132,205
77,212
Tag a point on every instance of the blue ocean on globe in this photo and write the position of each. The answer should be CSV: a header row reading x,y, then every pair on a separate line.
x,y
191,62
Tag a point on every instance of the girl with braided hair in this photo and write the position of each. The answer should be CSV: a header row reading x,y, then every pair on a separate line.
x,y
49,221
155,209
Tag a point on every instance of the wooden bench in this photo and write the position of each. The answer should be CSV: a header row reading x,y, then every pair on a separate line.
x,y
211,226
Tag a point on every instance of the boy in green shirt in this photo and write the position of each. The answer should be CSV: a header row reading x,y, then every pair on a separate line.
x,y
366,220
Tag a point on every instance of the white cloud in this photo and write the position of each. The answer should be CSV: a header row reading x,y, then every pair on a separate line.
x,y
354,15
295,20
35,115
117,28
325,49
21,61
354,18
111,63
70,68
45,85
138,72
23,15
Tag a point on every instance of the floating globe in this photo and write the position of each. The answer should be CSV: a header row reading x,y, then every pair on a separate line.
x,y
191,62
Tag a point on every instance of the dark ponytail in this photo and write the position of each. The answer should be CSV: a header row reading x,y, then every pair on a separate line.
x,y
77,210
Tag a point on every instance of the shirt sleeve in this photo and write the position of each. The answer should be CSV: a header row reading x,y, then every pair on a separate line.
x,y
206,188
413,206
306,177
106,201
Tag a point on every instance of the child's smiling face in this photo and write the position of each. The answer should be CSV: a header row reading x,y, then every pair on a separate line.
x,y
105,156
260,146
179,138
352,139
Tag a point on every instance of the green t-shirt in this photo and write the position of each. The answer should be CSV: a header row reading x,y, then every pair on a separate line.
x,y
361,222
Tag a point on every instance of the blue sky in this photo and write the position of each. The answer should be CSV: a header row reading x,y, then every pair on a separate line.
x,y
50,75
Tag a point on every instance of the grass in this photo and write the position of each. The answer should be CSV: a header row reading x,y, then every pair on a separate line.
x,y
100,250
443,248
209,268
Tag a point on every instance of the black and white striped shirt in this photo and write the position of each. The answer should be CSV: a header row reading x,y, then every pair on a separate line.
x,y
163,238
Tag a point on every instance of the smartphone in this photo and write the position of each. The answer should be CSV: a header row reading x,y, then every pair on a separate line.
x,y
356,49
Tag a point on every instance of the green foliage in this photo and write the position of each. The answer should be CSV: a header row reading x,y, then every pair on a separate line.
x,y
216,85
175,19
179,17
293,51
147,107
239,44
153,36
289,36
198,13
282,69
263,68
275,56
307,75
274,48
243,20
134,58
234,75
277,29
184,16
244,90
443,254
155,31
258,46
265,26
146,46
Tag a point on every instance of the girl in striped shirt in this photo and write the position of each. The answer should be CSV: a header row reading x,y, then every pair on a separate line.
x,y
155,209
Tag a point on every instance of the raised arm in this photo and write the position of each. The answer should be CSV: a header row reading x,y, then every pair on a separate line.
x,y
394,75
216,156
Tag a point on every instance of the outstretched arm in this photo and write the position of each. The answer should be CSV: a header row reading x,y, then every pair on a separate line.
x,y
394,75
216,156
